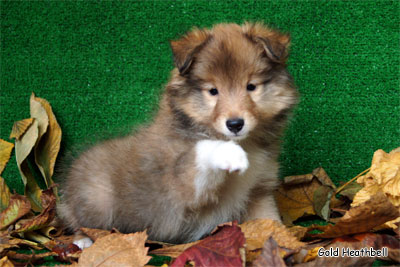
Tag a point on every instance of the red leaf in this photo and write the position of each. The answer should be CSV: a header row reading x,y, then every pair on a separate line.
x,y
220,249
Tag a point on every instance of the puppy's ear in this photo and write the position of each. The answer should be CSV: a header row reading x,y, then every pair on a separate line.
x,y
186,48
275,44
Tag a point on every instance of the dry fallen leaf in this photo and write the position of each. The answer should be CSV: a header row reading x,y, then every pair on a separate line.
x,y
258,231
20,127
23,148
4,195
18,207
384,176
116,250
41,220
362,218
5,153
270,255
221,249
307,194
49,137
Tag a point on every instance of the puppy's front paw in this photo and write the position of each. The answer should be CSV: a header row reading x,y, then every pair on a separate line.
x,y
84,242
230,157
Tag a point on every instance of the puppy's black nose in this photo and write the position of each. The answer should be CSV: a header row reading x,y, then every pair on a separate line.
x,y
235,125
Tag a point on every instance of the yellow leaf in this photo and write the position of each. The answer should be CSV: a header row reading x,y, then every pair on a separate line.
x,y
384,176
23,148
18,207
4,195
49,138
20,127
5,153
117,250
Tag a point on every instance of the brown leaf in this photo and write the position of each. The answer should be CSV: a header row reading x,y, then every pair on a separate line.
x,y
295,197
362,218
23,148
67,253
258,231
41,220
351,190
298,231
4,195
49,138
20,127
5,153
270,255
321,201
29,257
117,250
18,207
220,249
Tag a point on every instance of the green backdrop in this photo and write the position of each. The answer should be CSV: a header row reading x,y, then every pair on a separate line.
x,y
102,67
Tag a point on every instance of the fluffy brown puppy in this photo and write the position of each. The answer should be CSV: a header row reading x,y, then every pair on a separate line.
x,y
209,156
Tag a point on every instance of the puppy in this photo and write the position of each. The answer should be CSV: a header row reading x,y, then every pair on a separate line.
x,y
210,154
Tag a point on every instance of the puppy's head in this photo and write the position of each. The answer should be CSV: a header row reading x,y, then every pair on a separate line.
x,y
231,79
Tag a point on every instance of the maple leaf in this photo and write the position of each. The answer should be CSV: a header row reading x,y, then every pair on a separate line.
x,y
384,176
220,249
374,212
116,250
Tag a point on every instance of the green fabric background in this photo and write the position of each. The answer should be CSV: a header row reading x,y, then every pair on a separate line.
x,y
102,67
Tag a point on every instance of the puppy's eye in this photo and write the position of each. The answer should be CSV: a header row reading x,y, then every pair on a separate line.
x,y
251,87
213,91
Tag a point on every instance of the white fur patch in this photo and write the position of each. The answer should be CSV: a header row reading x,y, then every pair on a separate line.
x,y
212,158
83,242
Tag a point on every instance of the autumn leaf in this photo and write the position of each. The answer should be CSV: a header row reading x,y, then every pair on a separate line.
x,y
67,252
308,194
23,147
18,207
384,176
269,256
4,195
220,249
351,190
362,218
49,137
20,127
5,153
41,220
117,250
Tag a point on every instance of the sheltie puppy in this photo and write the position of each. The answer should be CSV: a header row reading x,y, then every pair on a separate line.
x,y
210,154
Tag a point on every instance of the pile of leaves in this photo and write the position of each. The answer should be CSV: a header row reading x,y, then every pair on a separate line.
x,y
363,213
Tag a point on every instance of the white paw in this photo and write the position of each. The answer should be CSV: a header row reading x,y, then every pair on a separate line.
x,y
83,242
230,157
221,155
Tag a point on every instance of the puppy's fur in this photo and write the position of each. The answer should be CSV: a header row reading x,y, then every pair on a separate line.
x,y
188,172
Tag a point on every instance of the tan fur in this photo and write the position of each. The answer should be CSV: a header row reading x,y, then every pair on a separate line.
x,y
147,180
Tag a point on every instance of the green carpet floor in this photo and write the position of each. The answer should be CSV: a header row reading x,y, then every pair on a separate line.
x,y
102,66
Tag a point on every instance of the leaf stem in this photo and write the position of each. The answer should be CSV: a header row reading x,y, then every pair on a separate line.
x,y
352,180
